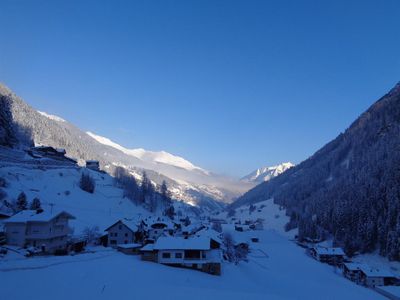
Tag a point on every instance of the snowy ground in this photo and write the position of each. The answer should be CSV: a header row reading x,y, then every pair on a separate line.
x,y
60,188
277,270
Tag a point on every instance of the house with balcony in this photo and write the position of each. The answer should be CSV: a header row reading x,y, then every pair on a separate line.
x,y
200,252
46,230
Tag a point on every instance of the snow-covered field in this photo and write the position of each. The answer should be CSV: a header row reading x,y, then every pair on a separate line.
x,y
59,188
277,269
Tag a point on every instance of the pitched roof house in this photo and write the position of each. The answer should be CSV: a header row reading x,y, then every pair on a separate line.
x,y
332,256
46,230
199,252
122,232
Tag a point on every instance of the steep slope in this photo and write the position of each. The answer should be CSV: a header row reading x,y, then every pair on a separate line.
x,y
350,188
56,184
267,173
187,181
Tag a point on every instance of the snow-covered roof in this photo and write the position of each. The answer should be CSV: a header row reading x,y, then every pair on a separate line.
x,y
180,243
328,251
211,233
132,225
129,246
148,247
25,216
353,266
375,272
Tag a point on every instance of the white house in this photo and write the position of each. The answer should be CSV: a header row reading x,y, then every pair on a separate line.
x,y
46,230
199,252
122,232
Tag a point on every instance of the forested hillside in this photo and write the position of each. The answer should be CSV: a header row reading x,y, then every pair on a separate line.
x,y
350,189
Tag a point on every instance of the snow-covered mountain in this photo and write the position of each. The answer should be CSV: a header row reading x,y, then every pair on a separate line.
x,y
188,182
267,173
148,156
350,187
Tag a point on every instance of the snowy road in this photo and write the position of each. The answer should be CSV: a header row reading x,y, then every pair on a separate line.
x,y
279,270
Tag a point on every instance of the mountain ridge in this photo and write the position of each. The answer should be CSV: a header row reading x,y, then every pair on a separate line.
x,y
348,190
193,185
267,173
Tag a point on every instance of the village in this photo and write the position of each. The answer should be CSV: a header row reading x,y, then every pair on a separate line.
x,y
207,243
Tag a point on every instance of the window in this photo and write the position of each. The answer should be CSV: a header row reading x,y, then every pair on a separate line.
x,y
116,234
166,255
126,235
120,227
178,255
113,242
126,242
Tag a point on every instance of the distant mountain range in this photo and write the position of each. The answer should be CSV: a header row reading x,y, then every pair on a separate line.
x,y
266,173
349,190
186,181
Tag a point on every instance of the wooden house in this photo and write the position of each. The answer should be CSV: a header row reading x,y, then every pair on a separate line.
x,y
332,256
352,271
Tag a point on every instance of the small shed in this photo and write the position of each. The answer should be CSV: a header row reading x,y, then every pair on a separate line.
x,y
148,253
130,249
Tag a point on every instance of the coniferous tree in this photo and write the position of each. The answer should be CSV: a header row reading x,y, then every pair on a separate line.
x,y
35,204
22,203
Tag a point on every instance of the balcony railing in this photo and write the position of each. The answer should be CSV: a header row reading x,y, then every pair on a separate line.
x,y
46,235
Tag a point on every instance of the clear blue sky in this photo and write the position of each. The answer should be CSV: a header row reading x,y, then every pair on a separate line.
x,y
229,85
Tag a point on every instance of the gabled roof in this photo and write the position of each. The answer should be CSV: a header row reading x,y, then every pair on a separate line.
x,y
180,243
26,216
211,233
131,225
